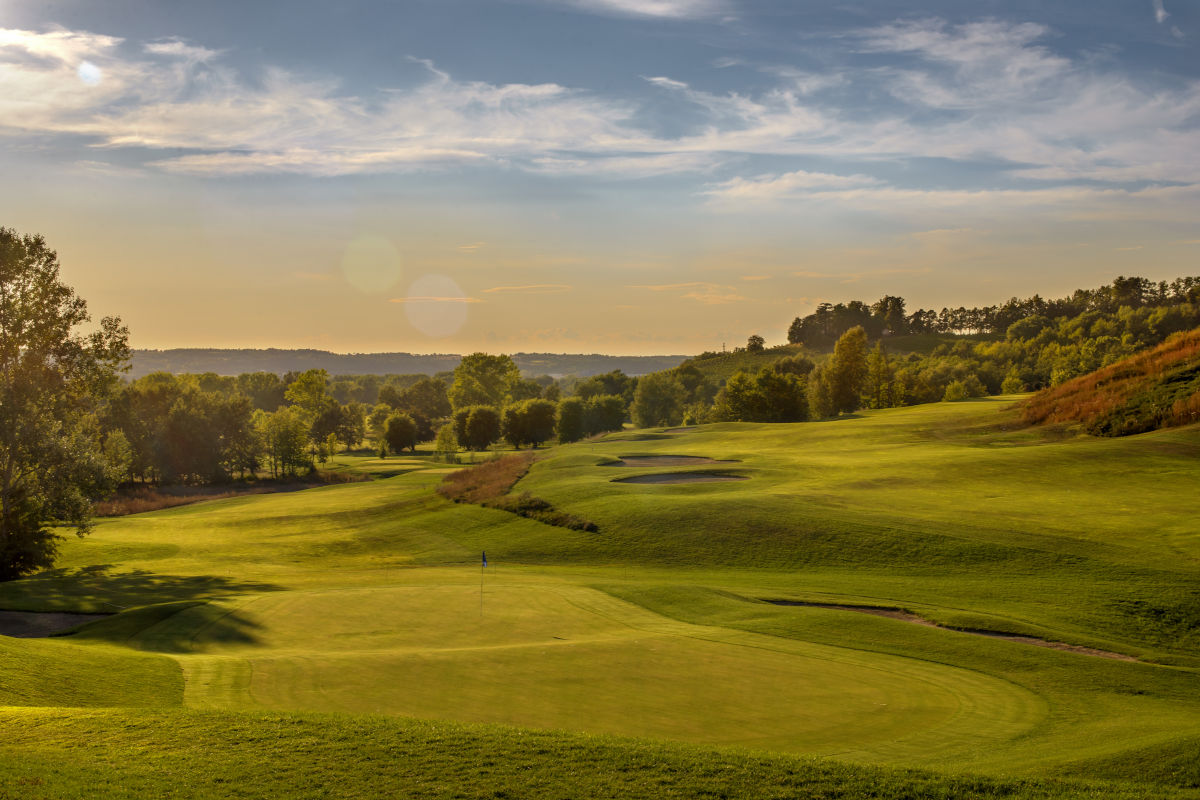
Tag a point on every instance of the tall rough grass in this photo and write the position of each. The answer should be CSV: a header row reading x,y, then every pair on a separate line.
x,y
489,485
1153,389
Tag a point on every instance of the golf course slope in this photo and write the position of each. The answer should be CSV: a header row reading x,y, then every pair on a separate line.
x,y
346,640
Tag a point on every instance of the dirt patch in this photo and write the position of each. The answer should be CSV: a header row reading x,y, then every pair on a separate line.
x,y
662,461
38,624
681,477
908,616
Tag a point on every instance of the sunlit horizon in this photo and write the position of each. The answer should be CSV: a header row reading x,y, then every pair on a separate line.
x,y
592,176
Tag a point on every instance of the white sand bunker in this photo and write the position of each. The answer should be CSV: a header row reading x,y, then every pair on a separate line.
x,y
681,477
663,461
36,624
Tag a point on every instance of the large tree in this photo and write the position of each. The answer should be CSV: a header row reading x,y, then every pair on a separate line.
x,y
52,379
848,370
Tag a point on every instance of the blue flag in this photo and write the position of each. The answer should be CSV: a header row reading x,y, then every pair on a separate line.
x,y
485,558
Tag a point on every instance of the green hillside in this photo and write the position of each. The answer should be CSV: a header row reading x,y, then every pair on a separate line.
x,y
317,628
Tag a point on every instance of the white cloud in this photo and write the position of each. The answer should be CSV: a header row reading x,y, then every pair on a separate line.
x,y
789,184
990,91
179,49
1160,13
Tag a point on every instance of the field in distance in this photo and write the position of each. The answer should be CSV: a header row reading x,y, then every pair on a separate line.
x,y
368,599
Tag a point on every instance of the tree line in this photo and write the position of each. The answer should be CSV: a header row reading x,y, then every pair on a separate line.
x,y
888,317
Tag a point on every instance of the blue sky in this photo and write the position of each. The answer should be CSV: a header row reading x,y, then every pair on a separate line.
x,y
589,175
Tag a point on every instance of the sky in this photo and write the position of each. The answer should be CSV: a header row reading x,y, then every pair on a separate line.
x,y
618,176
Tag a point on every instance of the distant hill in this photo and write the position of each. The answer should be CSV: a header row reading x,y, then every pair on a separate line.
x,y
1153,389
235,362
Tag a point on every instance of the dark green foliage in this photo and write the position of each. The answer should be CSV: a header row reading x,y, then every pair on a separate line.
x,y
615,382
264,389
529,422
604,413
755,344
51,381
659,400
569,423
477,427
400,433
769,396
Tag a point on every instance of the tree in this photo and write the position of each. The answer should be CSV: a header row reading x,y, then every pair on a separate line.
x,y
820,395
482,379
848,370
51,380
309,393
481,429
604,413
658,400
530,422
284,433
569,425
880,388
400,432
446,444
755,344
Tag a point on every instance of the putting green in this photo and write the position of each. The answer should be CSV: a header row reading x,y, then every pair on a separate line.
x,y
559,656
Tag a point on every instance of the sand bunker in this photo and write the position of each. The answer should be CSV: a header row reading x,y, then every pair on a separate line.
x,y
662,461
907,616
681,477
37,624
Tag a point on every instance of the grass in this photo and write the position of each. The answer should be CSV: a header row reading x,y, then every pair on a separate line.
x,y
368,599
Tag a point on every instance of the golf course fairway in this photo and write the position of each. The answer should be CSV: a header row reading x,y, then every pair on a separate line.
x,y
366,606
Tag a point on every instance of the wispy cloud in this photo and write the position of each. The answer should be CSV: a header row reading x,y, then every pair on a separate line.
x,y
1160,13
772,187
991,92
532,288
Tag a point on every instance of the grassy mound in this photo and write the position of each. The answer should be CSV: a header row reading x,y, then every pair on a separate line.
x,y
1154,389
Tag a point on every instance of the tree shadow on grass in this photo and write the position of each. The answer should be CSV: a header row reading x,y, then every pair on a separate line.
x,y
101,588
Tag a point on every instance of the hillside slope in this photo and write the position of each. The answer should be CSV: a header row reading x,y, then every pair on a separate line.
x,y
1154,389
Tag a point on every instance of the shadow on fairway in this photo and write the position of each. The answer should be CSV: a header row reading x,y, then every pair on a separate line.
x,y
101,588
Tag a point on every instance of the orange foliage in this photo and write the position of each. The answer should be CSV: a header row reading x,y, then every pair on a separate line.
x,y
1092,396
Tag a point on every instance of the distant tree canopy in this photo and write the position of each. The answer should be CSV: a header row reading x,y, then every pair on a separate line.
x,y
483,380
610,383
887,315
